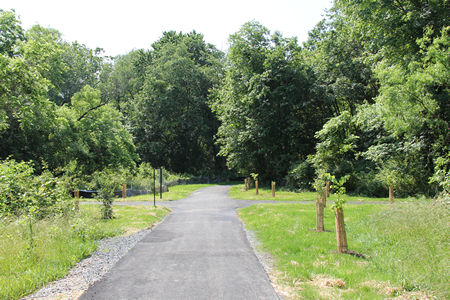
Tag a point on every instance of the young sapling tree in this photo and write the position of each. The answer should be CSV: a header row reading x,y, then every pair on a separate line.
x,y
255,178
338,207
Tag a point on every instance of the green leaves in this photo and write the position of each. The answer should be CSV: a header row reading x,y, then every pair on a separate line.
x,y
172,122
264,104
338,188
23,193
11,33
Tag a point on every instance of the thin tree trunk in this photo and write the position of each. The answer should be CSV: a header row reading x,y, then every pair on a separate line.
x,y
124,190
256,187
391,194
319,211
341,236
77,199
327,186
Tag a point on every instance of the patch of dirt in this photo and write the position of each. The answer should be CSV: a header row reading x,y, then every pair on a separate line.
x,y
278,280
320,263
362,263
328,287
131,231
386,288
324,281
418,295
382,287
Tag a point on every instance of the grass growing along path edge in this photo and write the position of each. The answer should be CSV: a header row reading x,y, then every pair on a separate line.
x,y
405,244
265,193
60,243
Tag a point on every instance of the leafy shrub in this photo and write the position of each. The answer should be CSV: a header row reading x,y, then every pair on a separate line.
x,y
301,176
106,183
23,193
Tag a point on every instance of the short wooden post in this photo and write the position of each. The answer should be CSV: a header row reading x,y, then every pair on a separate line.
x,y
248,183
327,186
124,190
341,236
256,187
319,210
391,194
273,188
245,184
77,199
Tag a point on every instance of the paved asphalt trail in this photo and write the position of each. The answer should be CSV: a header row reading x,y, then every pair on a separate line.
x,y
200,251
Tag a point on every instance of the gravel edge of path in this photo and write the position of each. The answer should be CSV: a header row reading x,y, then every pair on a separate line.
x,y
266,260
91,269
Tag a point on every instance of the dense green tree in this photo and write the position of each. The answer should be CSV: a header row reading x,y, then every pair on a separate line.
x,y
83,68
413,101
172,123
32,127
11,32
91,133
68,66
402,130
389,28
121,80
338,59
26,116
265,104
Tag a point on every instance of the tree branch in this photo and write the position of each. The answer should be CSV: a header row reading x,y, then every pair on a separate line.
x,y
89,110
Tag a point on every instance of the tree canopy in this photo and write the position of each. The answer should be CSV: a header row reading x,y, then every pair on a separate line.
x,y
365,98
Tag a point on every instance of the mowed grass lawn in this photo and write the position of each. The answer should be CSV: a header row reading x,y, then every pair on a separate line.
x,y
265,193
406,249
176,192
59,243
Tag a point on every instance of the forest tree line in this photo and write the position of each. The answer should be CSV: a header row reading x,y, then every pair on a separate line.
x,y
366,96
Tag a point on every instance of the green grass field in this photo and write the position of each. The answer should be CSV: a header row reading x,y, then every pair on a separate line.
x,y
406,249
60,243
176,192
265,193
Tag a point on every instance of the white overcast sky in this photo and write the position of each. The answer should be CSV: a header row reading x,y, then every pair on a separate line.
x,y
120,26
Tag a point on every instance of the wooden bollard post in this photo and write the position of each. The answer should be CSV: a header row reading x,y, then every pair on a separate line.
x,y
341,236
124,190
391,194
273,188
77,199
245,184
256,187
319,210
327,186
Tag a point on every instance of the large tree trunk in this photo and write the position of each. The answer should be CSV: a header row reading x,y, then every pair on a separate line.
x,y
341,236
319,211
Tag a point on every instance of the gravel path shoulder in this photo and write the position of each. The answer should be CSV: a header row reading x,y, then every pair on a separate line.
x,y
90,269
